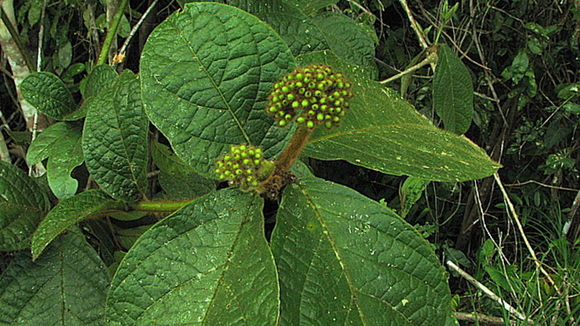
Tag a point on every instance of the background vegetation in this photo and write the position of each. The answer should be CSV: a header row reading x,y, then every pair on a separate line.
x,y
523,58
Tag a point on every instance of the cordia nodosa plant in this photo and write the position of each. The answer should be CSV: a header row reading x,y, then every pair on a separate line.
x,y
229,104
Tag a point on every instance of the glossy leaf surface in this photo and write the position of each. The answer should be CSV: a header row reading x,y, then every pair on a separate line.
x,y
383,132
115,139
67,213
344,259
206,264
453,91
61,144
206,74
65,286
22,204
48,94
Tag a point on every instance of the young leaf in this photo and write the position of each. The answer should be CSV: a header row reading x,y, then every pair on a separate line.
x,y
22,204
206,264
452,91
115,139
48,94
66,286
344,259
206,73
348,40
61,144
383,132
67,213
411,191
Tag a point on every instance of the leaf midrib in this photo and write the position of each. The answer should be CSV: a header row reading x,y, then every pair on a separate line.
x,y
213,82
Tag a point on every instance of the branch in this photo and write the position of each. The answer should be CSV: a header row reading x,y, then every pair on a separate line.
x,y
431,58
516,219
487,291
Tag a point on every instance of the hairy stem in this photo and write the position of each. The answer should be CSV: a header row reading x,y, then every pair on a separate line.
x,y
292,151
112,32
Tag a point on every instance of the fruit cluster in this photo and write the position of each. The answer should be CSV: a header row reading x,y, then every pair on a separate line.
x,y
311,95
244,166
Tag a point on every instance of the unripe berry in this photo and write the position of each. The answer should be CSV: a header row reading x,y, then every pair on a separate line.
x,y
304,96
244,166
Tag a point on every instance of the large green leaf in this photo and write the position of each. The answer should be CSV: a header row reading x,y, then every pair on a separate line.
x,y
206,74
22,204
61,144
348,40
383,132
206,264
65,286
452,91
344,259
115,139
67,213
48,94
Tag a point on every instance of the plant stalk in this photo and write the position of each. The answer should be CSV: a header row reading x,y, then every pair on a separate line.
x,y
160,206
292,151
112,32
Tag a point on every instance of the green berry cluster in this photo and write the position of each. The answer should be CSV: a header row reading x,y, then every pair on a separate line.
x,y
312,95
244,166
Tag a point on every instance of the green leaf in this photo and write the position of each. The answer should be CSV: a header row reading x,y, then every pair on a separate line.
x,y
383,132
101,78
206,74
344,259
348,40
452,91
48,94
311,7
22,204
206,264
298,30
65,53
65,286
411,192
177,179
115,139
61,144
67,213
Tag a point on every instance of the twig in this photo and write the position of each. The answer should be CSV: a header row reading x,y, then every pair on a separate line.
x,y
487,291
539,183
431,58
481,318
516,219
417,28
414,25
136,27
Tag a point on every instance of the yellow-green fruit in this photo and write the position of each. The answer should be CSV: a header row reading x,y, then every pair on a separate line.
x,y
305,94
244,166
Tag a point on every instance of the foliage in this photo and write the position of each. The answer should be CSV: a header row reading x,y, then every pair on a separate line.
x,y
192,191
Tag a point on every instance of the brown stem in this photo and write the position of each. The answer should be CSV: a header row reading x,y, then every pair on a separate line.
x,y
292,151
